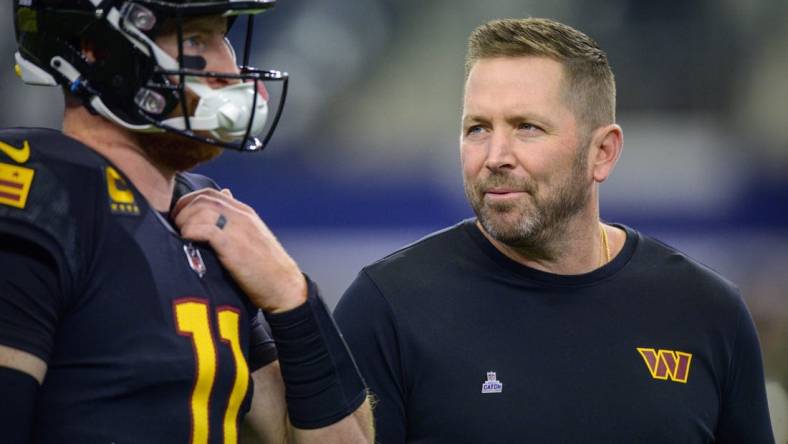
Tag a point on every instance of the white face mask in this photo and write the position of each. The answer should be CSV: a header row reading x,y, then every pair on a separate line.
x,y
225,112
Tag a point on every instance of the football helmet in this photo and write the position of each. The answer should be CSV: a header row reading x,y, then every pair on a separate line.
x,y
133,82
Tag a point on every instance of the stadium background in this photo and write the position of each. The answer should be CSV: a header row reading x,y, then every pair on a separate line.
x,y
366,158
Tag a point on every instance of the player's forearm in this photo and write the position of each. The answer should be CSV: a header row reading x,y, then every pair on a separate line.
x,y
356,428
323,385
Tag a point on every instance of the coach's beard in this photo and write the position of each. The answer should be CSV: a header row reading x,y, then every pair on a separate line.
x,y
532,223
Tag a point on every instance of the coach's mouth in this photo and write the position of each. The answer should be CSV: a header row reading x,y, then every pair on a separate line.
x,y
503,193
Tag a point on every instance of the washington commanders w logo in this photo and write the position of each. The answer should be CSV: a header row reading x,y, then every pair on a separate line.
x,y
667,364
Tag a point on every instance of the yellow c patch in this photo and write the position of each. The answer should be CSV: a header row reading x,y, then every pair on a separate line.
x,y
15,184
121,198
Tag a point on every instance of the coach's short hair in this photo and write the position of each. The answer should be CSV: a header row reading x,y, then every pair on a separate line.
x,y
590,88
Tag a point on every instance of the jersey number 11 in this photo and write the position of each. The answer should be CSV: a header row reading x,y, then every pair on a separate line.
x,y
192,320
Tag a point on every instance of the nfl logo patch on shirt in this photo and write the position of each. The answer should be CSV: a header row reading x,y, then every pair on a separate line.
x,y
492,384
194,258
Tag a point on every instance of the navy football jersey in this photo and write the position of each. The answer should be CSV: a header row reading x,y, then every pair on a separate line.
x,y
146,336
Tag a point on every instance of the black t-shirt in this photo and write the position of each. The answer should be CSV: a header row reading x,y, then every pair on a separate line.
x,y
146,337
460,344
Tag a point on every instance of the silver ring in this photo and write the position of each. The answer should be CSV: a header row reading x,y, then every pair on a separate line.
x,y
221,221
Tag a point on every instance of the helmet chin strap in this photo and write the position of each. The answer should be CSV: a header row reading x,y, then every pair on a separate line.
x,y
71,73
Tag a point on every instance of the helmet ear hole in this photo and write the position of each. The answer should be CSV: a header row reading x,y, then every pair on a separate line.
x,y
88,49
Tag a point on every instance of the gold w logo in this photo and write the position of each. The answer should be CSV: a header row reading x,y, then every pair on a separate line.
x,y
664,364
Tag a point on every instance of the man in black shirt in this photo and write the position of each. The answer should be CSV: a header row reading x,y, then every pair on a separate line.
x,y
535,322
140,303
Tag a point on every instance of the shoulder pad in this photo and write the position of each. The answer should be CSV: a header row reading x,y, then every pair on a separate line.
x,y
47,190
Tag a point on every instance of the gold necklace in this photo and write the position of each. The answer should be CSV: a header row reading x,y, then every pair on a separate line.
x,y
605,245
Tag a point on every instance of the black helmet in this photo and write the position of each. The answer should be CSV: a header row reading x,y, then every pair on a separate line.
x,y
136,84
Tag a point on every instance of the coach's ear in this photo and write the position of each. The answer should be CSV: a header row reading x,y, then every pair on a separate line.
x,y
607,142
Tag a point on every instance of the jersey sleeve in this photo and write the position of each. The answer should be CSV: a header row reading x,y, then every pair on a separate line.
x,y
262,349
30,296
46,226
366,321
745,414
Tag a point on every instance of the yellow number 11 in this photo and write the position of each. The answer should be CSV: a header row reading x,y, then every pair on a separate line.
x,y
192,320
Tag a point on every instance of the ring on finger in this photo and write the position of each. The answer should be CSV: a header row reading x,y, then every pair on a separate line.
x,y
221,221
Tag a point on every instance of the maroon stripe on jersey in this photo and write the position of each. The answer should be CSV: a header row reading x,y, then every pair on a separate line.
x,y
10,184
11,196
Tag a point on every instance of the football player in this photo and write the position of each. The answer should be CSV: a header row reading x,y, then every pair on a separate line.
x,y
139,303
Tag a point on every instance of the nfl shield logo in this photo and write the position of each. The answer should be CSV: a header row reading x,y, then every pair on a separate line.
x,y
195,259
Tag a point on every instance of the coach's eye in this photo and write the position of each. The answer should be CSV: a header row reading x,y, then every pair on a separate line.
x,y
529,128
474,130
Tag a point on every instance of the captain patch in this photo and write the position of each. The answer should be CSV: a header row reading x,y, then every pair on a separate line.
x,y
121,198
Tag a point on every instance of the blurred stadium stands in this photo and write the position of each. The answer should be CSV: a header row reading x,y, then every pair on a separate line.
x,y
366,157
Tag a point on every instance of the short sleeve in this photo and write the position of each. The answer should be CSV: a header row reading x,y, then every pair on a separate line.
x,y
262,349
369,328
745,414
30,296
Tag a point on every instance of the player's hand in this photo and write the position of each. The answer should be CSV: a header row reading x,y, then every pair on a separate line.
x,y
245,246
